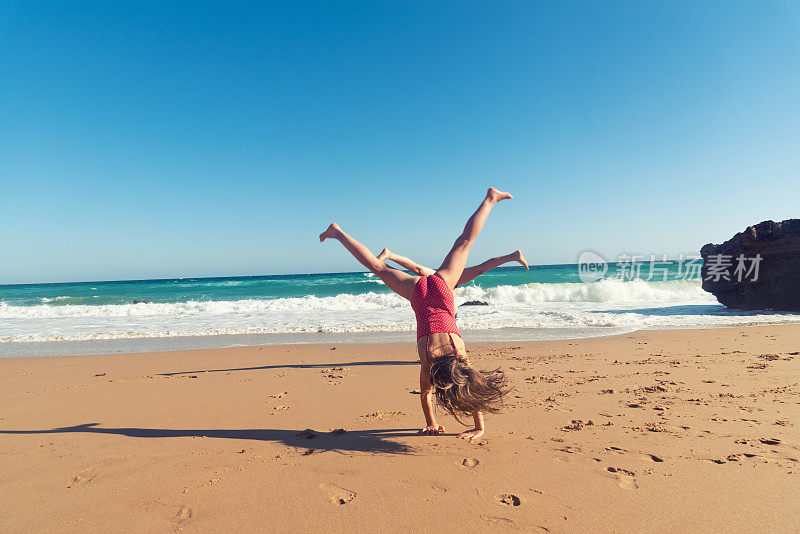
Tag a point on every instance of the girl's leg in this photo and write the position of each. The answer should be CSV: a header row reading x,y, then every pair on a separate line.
x,y
453,265
398,281
408,263
471,273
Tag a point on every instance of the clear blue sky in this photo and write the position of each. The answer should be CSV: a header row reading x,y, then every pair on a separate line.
x,y
160,139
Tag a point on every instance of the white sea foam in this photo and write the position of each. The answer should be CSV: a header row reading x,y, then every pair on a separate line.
x,y
609,303
610,291
343,302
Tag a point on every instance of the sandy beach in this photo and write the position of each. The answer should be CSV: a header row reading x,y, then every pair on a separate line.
x,y
683,430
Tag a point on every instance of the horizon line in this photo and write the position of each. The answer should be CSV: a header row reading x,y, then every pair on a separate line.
x,y
124,280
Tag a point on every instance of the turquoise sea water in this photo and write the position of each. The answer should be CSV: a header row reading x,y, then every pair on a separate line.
x,y
548,299
261,287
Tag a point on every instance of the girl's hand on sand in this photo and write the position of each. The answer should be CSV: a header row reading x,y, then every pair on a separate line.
x,y
469,435
432,430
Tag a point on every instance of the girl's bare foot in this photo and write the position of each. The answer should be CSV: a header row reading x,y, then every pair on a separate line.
x,y
332,231
432,430
469,435
384,254
495,195
520,258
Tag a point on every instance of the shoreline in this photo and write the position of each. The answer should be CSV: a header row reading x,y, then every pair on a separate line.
x,y
597,435
96,347
224,341
544,303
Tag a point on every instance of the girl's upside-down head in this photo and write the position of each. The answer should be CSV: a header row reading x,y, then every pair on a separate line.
x,y
463,390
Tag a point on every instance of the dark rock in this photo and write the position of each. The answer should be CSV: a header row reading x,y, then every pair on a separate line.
x,y
475,303
732,280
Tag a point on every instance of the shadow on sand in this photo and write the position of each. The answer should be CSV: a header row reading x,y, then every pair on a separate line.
x,y
294,366
378,441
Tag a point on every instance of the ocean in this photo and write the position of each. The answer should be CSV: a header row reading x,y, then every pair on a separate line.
x,y
546,302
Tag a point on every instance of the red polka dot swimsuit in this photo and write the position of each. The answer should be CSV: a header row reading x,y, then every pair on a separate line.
x,y
434,306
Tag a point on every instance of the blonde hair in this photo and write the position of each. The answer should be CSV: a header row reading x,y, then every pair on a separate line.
x,y
463,390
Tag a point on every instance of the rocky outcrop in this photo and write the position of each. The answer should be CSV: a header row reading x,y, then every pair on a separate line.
x,y
756,269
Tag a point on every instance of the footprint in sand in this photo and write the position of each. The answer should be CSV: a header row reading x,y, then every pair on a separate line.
x,y
499,522
625,479
653,457
80,479
335,374
509,499
84,477
176,515
337,494
378,415
470,462
183,515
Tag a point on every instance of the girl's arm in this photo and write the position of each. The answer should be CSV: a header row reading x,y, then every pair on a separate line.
x,y
432,428
476,432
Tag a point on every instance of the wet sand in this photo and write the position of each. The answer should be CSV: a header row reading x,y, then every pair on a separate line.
x,y
685,430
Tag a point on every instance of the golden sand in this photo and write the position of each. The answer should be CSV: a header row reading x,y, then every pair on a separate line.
x,y
689,430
